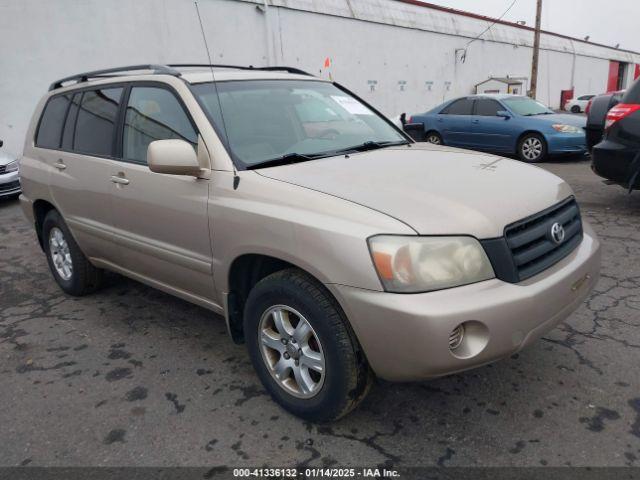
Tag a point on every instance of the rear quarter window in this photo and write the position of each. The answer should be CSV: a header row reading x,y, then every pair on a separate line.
x,y
51,122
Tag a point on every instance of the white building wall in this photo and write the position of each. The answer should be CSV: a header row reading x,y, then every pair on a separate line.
x,y
411,55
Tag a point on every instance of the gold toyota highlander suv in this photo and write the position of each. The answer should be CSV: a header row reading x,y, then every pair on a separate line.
x,y
336,248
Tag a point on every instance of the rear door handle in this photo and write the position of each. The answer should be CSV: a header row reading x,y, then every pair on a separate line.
x,y
60,165
119,180
475,121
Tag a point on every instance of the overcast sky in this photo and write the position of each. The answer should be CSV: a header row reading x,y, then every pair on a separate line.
x,y
609,22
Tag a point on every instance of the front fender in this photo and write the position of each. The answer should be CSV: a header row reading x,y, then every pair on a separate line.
x,y
320,233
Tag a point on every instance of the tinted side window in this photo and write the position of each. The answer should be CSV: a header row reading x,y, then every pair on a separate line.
x,y
153,113
50,129
70,123
459,107
96,121
487,108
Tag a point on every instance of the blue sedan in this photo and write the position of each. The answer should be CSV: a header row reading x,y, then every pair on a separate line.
x,y
509,124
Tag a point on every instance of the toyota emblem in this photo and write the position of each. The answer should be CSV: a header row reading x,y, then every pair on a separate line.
x,y
557,233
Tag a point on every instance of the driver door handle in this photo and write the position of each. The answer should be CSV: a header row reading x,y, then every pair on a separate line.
x,y
60,165
120,180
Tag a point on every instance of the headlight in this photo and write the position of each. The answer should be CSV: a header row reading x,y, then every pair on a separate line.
x,y
12,167
423,264
559,127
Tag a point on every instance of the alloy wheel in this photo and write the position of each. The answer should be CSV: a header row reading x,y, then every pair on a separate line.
x,y
292,351
60,254
532,148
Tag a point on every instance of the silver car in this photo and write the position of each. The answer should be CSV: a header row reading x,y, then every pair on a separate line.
x,y
336,248
9,175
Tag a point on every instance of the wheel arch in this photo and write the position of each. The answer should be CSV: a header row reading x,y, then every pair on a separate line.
x,y
528,132
432,130
40,210
245,271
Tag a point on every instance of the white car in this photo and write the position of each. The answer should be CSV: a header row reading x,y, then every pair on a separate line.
x,y
577,105
9,175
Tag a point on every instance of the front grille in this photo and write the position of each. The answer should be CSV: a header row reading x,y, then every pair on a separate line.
x,y
528,248
3,169
531,243
7,187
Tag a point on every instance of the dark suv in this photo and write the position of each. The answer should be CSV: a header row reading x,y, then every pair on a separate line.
x,y
617,157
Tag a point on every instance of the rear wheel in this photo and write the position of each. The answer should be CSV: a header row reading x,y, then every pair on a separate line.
x,y
70,268
433,137
532,148
302,348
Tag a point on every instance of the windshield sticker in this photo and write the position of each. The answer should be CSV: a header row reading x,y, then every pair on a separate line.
x,y
351,105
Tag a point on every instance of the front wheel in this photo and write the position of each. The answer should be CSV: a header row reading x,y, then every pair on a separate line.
x,y
575,109
532,148
302,348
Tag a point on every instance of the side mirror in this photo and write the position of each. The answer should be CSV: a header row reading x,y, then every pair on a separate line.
x,y
504,114
173,157
1,143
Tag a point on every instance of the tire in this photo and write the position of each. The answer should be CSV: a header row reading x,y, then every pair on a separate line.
x,y
433,137
532,148
297,298
82,277
576,109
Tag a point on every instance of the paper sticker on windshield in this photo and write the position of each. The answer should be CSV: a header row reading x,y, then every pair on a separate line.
x,y
351,105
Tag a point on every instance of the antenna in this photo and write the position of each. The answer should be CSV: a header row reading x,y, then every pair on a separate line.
x,y
236,178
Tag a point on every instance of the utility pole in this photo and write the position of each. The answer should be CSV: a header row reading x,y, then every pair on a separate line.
x,y
536,51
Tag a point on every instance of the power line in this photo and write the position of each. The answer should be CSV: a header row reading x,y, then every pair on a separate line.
x,y
493,24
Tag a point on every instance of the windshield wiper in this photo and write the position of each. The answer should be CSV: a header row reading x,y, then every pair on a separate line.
x,y
370,145
291,158
286,159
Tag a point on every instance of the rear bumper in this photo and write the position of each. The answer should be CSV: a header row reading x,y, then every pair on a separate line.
x,y
614,162
406,337
567,143
10,184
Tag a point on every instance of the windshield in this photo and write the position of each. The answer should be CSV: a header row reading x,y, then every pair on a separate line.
x,y
270,119
526,106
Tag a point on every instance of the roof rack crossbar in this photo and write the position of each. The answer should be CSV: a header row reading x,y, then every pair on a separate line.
x,y
241,67
83,77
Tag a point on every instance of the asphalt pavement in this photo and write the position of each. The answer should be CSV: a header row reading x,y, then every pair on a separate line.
x,y
132,376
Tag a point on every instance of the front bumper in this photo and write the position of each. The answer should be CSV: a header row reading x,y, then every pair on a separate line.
x,y
562,143
10,184
406,337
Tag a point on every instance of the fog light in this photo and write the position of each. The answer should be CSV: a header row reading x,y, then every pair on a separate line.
x,y
468,339
455,337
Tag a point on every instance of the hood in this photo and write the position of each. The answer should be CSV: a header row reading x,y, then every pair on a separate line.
x,y
575,120
435,190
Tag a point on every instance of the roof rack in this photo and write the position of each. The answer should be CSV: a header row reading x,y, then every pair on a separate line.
x,y
240,67
83,77
166,70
